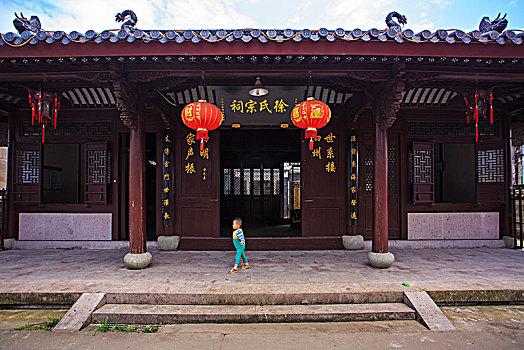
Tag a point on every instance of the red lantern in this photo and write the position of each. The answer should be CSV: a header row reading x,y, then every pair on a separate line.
x,y
311,115
44,109
202,116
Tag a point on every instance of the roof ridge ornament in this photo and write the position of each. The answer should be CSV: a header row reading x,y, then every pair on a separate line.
x,y
23,24
392,24
129,25
498,25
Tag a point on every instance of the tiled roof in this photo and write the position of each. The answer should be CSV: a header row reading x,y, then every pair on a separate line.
x,y
263,36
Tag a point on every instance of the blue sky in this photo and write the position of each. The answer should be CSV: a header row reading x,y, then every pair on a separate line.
x,y
98,15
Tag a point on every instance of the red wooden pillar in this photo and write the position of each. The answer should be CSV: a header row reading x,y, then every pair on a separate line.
x,y
137,197
380,187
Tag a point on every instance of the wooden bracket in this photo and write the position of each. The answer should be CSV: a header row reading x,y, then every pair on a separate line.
x,y
388,98
126,97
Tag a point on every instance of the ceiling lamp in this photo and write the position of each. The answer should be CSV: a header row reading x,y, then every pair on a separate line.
x,y
258,90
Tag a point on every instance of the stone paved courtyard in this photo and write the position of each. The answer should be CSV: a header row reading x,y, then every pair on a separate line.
x,y
201,272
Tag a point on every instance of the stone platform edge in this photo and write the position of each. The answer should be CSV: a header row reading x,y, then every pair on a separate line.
x,y
441,297
153,245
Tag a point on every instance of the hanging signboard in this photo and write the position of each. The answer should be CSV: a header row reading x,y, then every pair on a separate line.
x,y
274,108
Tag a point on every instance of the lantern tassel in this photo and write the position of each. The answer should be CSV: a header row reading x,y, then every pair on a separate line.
x,y
476,112
467,109
55,112
491,116
33,113
202,145
43,133
311,134
40,107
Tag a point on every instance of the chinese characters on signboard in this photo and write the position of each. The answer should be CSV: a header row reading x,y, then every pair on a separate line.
x,y
190,166
353,178
168,194
271,109
250,106
325,151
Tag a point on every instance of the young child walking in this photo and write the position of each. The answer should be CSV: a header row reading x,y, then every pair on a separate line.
x,y
240,245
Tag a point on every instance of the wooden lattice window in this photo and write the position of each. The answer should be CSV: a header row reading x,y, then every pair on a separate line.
x,y
247,181
276,181
28,169
368,168
97,177
28,166
423,172
227,182
490,165
490,173
392,169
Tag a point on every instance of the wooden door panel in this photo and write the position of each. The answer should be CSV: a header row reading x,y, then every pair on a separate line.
x,y
192,219
323,192
197,193
325,217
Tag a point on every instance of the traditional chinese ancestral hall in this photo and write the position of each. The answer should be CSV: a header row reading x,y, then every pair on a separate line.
x,y
417,147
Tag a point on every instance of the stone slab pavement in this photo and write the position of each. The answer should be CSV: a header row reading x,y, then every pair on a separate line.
x,y
206,272
483,327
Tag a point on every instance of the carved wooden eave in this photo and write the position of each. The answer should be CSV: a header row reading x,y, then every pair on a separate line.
x,y
380,89
96,78
387,98
389,101
125,97
355,106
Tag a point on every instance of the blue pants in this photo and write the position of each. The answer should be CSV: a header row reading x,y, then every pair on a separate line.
x,y
240,251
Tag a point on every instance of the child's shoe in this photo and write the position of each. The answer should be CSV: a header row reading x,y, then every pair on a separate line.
x,y
233,270
246,266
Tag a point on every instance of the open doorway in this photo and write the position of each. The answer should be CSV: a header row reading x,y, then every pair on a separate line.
x,y
260,181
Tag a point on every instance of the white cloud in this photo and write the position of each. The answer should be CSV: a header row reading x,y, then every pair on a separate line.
x,y
303,8
209,14
355,13
152,14
441,3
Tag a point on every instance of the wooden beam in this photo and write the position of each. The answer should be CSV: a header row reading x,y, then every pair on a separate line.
x,y
372,48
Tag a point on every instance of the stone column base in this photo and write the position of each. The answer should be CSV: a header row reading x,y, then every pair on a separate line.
x,y
9,243
168,242
137,261
381,260
509,242
353,242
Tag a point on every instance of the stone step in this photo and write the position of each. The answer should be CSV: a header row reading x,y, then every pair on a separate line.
x,y
284,297
170,314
